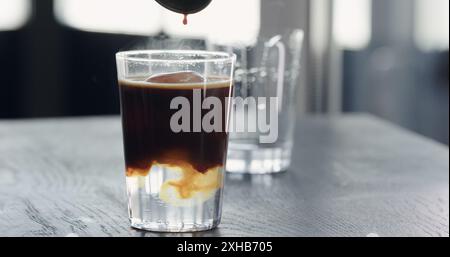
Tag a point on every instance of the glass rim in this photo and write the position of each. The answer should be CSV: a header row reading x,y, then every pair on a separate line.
x,y
216,56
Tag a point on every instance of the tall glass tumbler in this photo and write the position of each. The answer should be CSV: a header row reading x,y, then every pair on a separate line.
x,y
264,111
175,109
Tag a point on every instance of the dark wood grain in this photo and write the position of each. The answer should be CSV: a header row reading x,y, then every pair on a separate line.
x,y
351,176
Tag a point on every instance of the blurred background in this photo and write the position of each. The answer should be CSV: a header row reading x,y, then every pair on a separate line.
x,y
385,57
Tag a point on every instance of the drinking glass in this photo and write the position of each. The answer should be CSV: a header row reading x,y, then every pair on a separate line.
x,y
174,177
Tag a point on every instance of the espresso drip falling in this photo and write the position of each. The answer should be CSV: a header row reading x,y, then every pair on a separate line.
x,y
184,7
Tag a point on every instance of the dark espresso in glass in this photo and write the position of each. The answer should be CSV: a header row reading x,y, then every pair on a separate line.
x,y
175,138
148,137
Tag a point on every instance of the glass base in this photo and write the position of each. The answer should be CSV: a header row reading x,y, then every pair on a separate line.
x,y
181,227
250,159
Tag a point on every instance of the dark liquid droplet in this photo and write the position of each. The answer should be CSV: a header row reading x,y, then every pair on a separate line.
x,y
185,19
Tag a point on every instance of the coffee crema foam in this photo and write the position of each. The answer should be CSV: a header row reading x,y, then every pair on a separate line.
x,y
210,83
196,160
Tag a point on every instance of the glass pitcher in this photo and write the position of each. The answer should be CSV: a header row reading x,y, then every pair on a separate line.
x,y
264,108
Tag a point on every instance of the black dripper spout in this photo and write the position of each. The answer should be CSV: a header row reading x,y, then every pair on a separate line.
x,y
184,6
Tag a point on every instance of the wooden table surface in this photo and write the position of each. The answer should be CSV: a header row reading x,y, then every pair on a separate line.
x,y
351,176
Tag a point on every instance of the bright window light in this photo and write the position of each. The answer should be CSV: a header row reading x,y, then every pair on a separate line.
x,y
431,24
140,17
14,14
223,22
352,23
